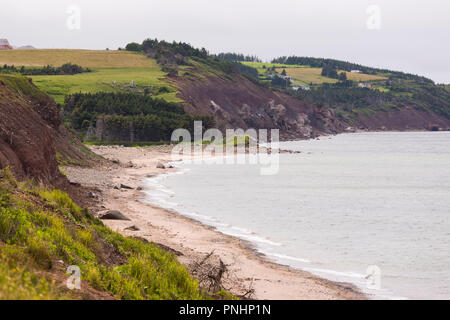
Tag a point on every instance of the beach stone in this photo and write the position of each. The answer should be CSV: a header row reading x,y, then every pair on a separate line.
x,y
124,186
139,188
132,228
114,215
92,195
160,166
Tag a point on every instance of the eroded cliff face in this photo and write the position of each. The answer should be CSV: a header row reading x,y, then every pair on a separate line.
x,y
241,103
31,132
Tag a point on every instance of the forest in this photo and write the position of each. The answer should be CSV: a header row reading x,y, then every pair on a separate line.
x,y
65,69
129,116
348,66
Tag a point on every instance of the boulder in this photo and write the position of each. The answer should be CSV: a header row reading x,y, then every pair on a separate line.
x,y
114,215
132,228
160,166
123,186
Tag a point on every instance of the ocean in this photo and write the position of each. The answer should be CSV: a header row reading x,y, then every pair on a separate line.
x,y
347,205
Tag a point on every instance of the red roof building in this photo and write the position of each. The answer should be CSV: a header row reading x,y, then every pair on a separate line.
x,y
4,44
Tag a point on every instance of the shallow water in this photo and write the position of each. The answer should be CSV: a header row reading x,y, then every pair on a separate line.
x,y
347,202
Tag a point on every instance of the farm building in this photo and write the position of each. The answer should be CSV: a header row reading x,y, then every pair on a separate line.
x,y
4,45
364,85
306,88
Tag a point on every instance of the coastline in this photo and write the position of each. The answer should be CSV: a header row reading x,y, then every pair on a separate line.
x,y
249,274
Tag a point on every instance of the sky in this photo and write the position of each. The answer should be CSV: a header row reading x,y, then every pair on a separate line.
x,y
411,36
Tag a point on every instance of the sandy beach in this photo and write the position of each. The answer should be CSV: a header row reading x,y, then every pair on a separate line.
x,y
246,273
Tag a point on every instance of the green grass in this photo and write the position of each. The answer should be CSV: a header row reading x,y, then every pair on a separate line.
x,y
103,80
262,71
304,75
112,71
21,86
40,226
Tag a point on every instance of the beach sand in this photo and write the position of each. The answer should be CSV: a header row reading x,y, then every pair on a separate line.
x,y
248,274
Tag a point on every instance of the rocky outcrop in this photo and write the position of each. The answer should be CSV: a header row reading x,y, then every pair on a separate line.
x,y
237,102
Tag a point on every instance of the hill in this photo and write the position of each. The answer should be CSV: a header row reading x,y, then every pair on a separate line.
x,y
43,231
113,71
244,94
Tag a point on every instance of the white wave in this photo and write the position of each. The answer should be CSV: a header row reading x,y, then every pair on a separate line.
x,y
285,257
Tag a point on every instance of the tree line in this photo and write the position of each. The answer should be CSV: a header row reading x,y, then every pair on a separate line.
x,y
231,57
348,66
65,69
126,114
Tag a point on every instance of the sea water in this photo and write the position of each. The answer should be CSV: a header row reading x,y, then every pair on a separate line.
x,y
344,204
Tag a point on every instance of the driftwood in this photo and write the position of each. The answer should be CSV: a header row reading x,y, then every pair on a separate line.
x,y
213,275
209,274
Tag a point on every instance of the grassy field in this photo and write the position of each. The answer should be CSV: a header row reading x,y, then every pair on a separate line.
x,y
108,80
112,71
85,58
263,66
361,77
306,76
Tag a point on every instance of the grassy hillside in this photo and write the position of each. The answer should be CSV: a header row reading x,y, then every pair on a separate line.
x,y
113,71
85,58
42,232
305,75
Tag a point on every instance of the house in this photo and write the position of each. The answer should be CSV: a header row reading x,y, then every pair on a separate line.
x,y
4,45
364,85
306,88
355,71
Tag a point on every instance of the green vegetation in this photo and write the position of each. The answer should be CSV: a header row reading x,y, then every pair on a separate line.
x,y
233,57
112,71
65,69
134,47
128,114
109,80
349,100
348,67
39,228
22,86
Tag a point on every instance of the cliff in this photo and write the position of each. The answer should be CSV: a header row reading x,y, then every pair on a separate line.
x,y
32,138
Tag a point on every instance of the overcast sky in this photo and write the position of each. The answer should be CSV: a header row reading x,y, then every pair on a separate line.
x,y
413,35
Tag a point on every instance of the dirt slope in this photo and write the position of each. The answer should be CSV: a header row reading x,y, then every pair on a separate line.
x,y
237,102
31,132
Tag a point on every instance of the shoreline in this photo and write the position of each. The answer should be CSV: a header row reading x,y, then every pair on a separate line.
x,y
249,273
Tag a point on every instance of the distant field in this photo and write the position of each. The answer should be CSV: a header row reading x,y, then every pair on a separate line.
x,y
84,58
111,71
363,77
263,66
306,76
101,80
